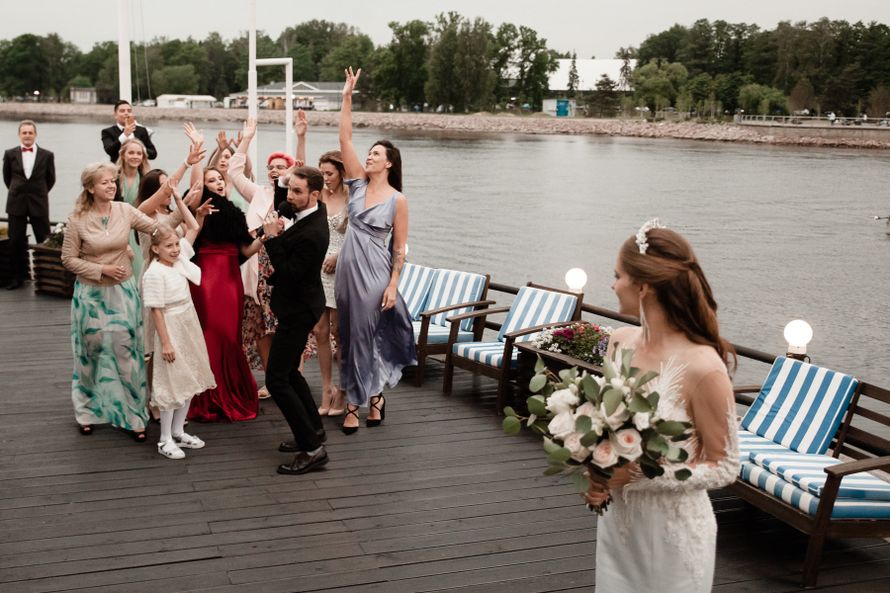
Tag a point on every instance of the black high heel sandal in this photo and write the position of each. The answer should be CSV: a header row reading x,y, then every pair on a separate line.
x,y
350,412
382,409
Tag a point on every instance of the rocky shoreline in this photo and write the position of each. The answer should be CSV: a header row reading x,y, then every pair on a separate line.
x,y
485,123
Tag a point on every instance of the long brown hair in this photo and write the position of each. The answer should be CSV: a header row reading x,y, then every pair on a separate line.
x,y
335,159
670,267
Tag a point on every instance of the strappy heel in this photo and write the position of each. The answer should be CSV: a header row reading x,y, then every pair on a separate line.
x,y
350,411
381,408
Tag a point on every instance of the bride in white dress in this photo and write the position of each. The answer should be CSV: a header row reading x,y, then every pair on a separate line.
x,y
659,535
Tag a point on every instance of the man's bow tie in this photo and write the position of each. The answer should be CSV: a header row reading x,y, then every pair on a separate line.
x,y
31,149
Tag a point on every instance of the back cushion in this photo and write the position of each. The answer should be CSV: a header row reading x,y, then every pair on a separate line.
x,y
414,286
537,306
450,288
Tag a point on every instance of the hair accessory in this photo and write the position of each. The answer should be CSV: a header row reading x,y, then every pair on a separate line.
x,y
642,240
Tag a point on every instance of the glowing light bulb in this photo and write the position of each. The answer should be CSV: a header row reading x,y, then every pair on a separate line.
x,y
576,279
798,334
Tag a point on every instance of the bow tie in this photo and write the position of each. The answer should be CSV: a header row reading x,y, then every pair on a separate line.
x,y
31,149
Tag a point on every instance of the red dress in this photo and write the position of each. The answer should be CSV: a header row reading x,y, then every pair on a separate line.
x,y
219,301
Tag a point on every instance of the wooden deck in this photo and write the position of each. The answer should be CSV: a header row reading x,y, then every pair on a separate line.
x,y
436,499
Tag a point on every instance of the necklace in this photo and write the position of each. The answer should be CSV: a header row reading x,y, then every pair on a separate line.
x,y
104,220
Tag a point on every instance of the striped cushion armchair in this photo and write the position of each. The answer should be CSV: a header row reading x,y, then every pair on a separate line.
x,y
414,286
450,293
534,309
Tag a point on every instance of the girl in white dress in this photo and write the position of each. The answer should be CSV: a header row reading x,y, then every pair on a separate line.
x,y
660,534
182,369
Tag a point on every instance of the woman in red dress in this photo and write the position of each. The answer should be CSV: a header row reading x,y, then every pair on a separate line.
x,y
222,244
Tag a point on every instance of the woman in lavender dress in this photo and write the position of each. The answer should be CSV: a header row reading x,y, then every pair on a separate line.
x,y
376,337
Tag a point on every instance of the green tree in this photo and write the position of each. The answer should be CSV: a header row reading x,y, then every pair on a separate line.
x,y
664,46
604,101
355,51
404,71
802,96
762,99
24,67
62,61
221,69
534,63
177,80
697,51
657,85
474,75
504,51
573,76
442,85
879,101
319,37
726,89
625,76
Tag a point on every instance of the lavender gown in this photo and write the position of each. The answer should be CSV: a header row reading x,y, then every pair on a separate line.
x,y
374,345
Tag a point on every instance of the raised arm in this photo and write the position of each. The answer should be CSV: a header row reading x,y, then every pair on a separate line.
x,y
399,242
301,126
351,162
245,186
197,137
150,205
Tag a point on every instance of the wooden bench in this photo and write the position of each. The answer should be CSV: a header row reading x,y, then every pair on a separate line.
x,y
833,513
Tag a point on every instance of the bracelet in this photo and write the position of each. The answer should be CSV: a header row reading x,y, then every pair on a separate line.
x,y
186,163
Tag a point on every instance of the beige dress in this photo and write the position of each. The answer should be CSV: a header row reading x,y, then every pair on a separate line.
x,y
334,245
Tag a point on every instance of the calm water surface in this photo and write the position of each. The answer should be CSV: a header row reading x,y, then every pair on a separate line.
x,y
782,233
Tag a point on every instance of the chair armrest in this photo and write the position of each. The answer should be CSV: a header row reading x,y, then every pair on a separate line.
x,y
479,313
862,465
537,328
746,389
432,312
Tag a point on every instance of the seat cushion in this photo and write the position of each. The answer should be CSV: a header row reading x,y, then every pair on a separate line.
x,y
844,508
751,443
436,334
537,306
414,286
800,405
807,472
451,287
490,353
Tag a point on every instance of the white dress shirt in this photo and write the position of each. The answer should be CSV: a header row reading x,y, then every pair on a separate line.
x,y
28,159
123,137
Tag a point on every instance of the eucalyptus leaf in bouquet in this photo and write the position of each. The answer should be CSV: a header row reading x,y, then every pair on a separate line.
x,y
592,425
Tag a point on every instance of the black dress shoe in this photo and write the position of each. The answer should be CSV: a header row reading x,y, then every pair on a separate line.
x,y
303,462
15,284
293,447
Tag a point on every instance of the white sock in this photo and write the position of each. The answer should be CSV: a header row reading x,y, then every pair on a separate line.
x,y
179,419
316,451
166,425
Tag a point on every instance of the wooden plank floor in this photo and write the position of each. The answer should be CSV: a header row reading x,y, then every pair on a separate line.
x,y
436,499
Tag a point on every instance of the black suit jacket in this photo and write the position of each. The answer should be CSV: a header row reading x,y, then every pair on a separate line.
x,y
296,256
112,144
28,197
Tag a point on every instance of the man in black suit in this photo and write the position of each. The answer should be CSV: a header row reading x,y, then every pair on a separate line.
x,y
29,172
298,302
125,128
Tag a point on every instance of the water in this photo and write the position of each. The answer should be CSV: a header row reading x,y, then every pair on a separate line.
x,y
782,233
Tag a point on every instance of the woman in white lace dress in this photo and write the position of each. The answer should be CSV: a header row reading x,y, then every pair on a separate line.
x,y
660,534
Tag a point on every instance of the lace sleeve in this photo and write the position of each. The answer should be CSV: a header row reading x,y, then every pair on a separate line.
x,y
714,449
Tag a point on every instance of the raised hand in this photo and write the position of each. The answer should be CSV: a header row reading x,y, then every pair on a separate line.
x,y
249,129
351,81
221,141
196,154
194,194
301,125
193,133
204,210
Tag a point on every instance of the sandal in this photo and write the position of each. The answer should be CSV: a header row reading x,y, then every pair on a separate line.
x,y
325,408
336,398
187,441
170,450
369,422
350,411
263,393
139,437
85,429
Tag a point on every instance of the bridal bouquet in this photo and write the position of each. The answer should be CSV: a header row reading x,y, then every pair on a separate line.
x,y
592,425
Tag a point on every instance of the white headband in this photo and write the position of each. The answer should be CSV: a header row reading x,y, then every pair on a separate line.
x,y
642,240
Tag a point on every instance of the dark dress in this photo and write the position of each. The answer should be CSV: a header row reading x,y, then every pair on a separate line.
x,y
219,301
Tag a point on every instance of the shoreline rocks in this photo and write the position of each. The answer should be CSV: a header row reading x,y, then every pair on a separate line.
x,y
486,123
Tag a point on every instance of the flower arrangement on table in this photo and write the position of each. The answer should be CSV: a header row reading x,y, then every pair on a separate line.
x,y
56,237
592,425
582,340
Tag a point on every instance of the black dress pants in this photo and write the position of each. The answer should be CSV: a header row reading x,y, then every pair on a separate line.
x,y
287,385
18,241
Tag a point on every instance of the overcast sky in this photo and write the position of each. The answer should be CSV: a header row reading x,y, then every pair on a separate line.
x,y
590,27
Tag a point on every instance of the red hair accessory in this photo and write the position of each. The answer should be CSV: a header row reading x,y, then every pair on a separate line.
x,y
281,155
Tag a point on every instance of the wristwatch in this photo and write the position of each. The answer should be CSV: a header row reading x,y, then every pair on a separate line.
x,y
260,232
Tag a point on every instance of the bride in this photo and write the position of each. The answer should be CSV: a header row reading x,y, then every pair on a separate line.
x,y
660,534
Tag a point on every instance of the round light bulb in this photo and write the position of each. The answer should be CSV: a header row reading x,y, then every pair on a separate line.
x,y
576,278
798,334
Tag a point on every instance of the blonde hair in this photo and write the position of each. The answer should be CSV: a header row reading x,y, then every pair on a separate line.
x,y
160,233
88,179
143,166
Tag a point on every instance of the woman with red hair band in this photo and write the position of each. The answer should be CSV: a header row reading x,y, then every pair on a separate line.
x,y
259,321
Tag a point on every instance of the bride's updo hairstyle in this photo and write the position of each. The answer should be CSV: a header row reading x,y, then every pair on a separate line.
x,y
670,267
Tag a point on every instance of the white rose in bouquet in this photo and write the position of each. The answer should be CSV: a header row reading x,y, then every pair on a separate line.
x,y
596,419
627,443
642,421
562,425
562,400
603,455
573,443
618,418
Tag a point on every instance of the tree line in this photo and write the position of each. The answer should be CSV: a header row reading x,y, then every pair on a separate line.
x,y
453,61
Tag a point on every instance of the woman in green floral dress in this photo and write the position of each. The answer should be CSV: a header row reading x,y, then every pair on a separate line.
x,y
108,385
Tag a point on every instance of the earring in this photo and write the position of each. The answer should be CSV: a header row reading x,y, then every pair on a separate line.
x,y
643,324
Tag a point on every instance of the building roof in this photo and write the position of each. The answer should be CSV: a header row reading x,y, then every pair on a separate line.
x,y
589,73
301,87
170,97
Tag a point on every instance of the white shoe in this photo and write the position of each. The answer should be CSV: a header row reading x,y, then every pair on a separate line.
x,y
187,441
263,393
169,450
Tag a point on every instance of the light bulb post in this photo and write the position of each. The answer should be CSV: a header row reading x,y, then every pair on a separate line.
x,y
576,279
798,334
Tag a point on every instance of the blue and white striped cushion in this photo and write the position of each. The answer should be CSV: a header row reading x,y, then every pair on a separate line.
x,y
751,443
535,306
807,472
450,288
490,353
800,405
436,334
414,286
846,508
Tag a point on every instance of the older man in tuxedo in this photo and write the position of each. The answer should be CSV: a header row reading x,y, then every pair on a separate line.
x,y
298,302
29,172
125,127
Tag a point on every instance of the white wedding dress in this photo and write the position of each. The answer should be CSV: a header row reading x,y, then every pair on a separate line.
x,y
660,535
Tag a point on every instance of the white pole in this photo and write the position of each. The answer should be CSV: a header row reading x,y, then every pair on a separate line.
x,y
288,64
123,51
251,80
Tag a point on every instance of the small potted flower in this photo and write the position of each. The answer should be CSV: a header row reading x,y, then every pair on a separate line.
x,y
50,276
583,341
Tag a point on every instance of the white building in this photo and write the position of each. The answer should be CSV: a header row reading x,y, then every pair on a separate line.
x,y
186,101
320,96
